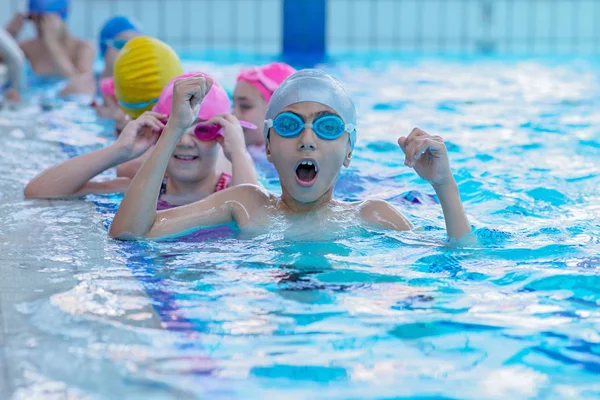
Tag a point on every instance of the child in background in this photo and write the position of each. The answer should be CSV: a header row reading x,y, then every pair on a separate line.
x,y
193,167
143,68
54,52
252,93
115,33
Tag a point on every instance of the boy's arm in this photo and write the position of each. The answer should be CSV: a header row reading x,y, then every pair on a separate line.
x,y
230,205
67,68
15,25
82,79
85,58
428,156
457,224
60,58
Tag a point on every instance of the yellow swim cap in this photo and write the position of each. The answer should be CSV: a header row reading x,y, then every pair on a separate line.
x,y
142,69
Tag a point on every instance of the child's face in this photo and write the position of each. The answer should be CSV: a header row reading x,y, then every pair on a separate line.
x,y
193,160
303,182
249,105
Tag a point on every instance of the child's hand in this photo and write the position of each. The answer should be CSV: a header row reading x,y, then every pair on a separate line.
x,y
188,93
233,140
428,156
103,111
140,134
121,120
109,108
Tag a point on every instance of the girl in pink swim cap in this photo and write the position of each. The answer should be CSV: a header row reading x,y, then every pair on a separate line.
x,y
209,157
252,93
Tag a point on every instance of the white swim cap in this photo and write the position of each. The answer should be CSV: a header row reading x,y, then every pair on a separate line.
x,y
319,87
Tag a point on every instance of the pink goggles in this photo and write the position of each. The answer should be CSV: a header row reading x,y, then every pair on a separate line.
x,y
207,132
256,74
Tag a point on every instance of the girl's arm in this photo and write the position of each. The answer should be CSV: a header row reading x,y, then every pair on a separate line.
x,y
234,147
73,176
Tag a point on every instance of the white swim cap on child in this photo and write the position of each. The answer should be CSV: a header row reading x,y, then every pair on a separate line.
x,y
319,87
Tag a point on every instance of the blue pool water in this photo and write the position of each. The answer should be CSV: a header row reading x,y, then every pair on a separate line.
x,y
361,314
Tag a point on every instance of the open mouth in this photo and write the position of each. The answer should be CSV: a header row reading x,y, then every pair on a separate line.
x,y
186,158
306,172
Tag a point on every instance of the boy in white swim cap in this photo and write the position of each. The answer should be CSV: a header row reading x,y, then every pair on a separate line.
x,y
310,133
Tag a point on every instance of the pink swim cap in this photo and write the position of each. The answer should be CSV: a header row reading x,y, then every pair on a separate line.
x,y
107,87
215,102
266,78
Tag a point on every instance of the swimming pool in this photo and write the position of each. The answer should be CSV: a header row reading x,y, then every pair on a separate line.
x,y
359,315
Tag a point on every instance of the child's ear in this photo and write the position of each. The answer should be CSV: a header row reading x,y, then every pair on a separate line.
x,y
268,150
348,159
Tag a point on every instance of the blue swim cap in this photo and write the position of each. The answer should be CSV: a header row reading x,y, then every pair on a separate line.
x,y
60,7
114,27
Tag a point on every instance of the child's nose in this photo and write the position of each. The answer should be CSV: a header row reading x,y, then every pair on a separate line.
x,y
307,139
188,138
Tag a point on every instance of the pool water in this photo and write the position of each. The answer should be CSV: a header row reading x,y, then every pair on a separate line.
x,y
360,314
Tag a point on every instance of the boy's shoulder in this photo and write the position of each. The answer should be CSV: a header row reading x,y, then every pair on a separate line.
x,y
250,192
360,206
373,205
381,213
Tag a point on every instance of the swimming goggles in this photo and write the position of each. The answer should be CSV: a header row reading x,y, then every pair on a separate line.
x,y
117,44
328,126
207,132
37,15
256,74
137,106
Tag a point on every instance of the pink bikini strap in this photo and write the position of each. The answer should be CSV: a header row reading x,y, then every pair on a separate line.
x,y
223,182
